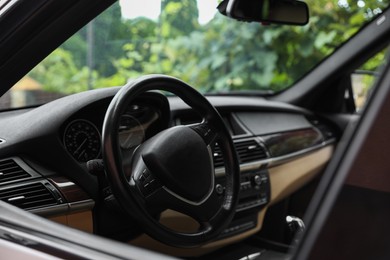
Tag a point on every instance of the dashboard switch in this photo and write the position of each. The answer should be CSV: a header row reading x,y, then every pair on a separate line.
x,y
257,180
219,189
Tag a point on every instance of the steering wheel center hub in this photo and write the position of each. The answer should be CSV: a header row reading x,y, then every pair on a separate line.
x,y
181,160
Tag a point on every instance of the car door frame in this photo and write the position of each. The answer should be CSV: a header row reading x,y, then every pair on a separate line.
x,y
350,154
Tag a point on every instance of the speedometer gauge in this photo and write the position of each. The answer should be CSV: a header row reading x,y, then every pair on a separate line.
x,y
82,140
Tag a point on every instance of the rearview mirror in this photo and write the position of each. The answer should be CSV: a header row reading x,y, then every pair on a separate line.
x,y
266,11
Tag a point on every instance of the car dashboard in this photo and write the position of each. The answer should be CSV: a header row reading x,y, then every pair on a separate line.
x,y
44,151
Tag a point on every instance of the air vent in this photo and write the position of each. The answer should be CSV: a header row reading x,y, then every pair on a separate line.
x,y
217,157
30,196
248,151
11,171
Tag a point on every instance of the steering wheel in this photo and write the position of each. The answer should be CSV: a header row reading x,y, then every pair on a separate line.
x,y
173,169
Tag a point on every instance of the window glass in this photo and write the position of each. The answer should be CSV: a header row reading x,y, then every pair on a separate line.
x,y
364,78
188,39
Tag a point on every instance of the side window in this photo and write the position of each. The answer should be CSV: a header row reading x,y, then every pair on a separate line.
x,y
364,78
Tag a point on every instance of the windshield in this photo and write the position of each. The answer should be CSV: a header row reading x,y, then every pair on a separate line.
x,y
188,39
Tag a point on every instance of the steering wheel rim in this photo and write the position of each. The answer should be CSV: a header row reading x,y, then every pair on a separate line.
x,y
131,193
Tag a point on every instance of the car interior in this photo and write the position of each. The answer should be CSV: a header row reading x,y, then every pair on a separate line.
x,y
156,165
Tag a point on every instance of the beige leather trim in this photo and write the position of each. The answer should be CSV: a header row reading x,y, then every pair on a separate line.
x,y
178,221
149,243
81,220
289,177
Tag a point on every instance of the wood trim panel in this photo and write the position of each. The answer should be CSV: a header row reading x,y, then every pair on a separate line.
x,y
71,191
292,141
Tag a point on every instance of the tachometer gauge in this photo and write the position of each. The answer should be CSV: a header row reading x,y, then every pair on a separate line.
x,y
131,132
82,140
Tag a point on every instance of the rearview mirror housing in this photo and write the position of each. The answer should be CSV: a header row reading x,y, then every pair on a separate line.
x,y
290,12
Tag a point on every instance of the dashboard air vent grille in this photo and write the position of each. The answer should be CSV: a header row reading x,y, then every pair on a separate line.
x,y
217,157
10,171
247,150
30,196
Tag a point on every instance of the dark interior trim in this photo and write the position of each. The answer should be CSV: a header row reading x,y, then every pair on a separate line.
x,y
39,34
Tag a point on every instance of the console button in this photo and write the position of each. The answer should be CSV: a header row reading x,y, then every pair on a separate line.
x,y
219,189
257,180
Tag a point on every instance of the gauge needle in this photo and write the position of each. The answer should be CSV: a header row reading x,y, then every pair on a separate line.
x,y
83,152
80,146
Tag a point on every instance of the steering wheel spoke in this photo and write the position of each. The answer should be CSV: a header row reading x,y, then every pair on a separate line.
x,y
146,183
203,212
206,131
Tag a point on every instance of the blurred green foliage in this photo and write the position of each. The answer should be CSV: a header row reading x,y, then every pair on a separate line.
x,y
222,55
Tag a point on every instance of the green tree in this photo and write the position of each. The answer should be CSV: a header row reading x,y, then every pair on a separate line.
x,y
59,73
109,32
222,55
178,17
232,55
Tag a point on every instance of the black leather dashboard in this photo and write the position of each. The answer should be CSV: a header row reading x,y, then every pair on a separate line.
x,y
265,134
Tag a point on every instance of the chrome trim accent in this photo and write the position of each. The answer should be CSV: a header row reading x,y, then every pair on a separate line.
x,y
51,210
64,184
81,205
6,6
381,20
64,208
30,239
252,256
16,198
197,203
229,8
271,162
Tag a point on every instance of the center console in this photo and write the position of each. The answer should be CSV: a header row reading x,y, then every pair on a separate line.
x,y
254,194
